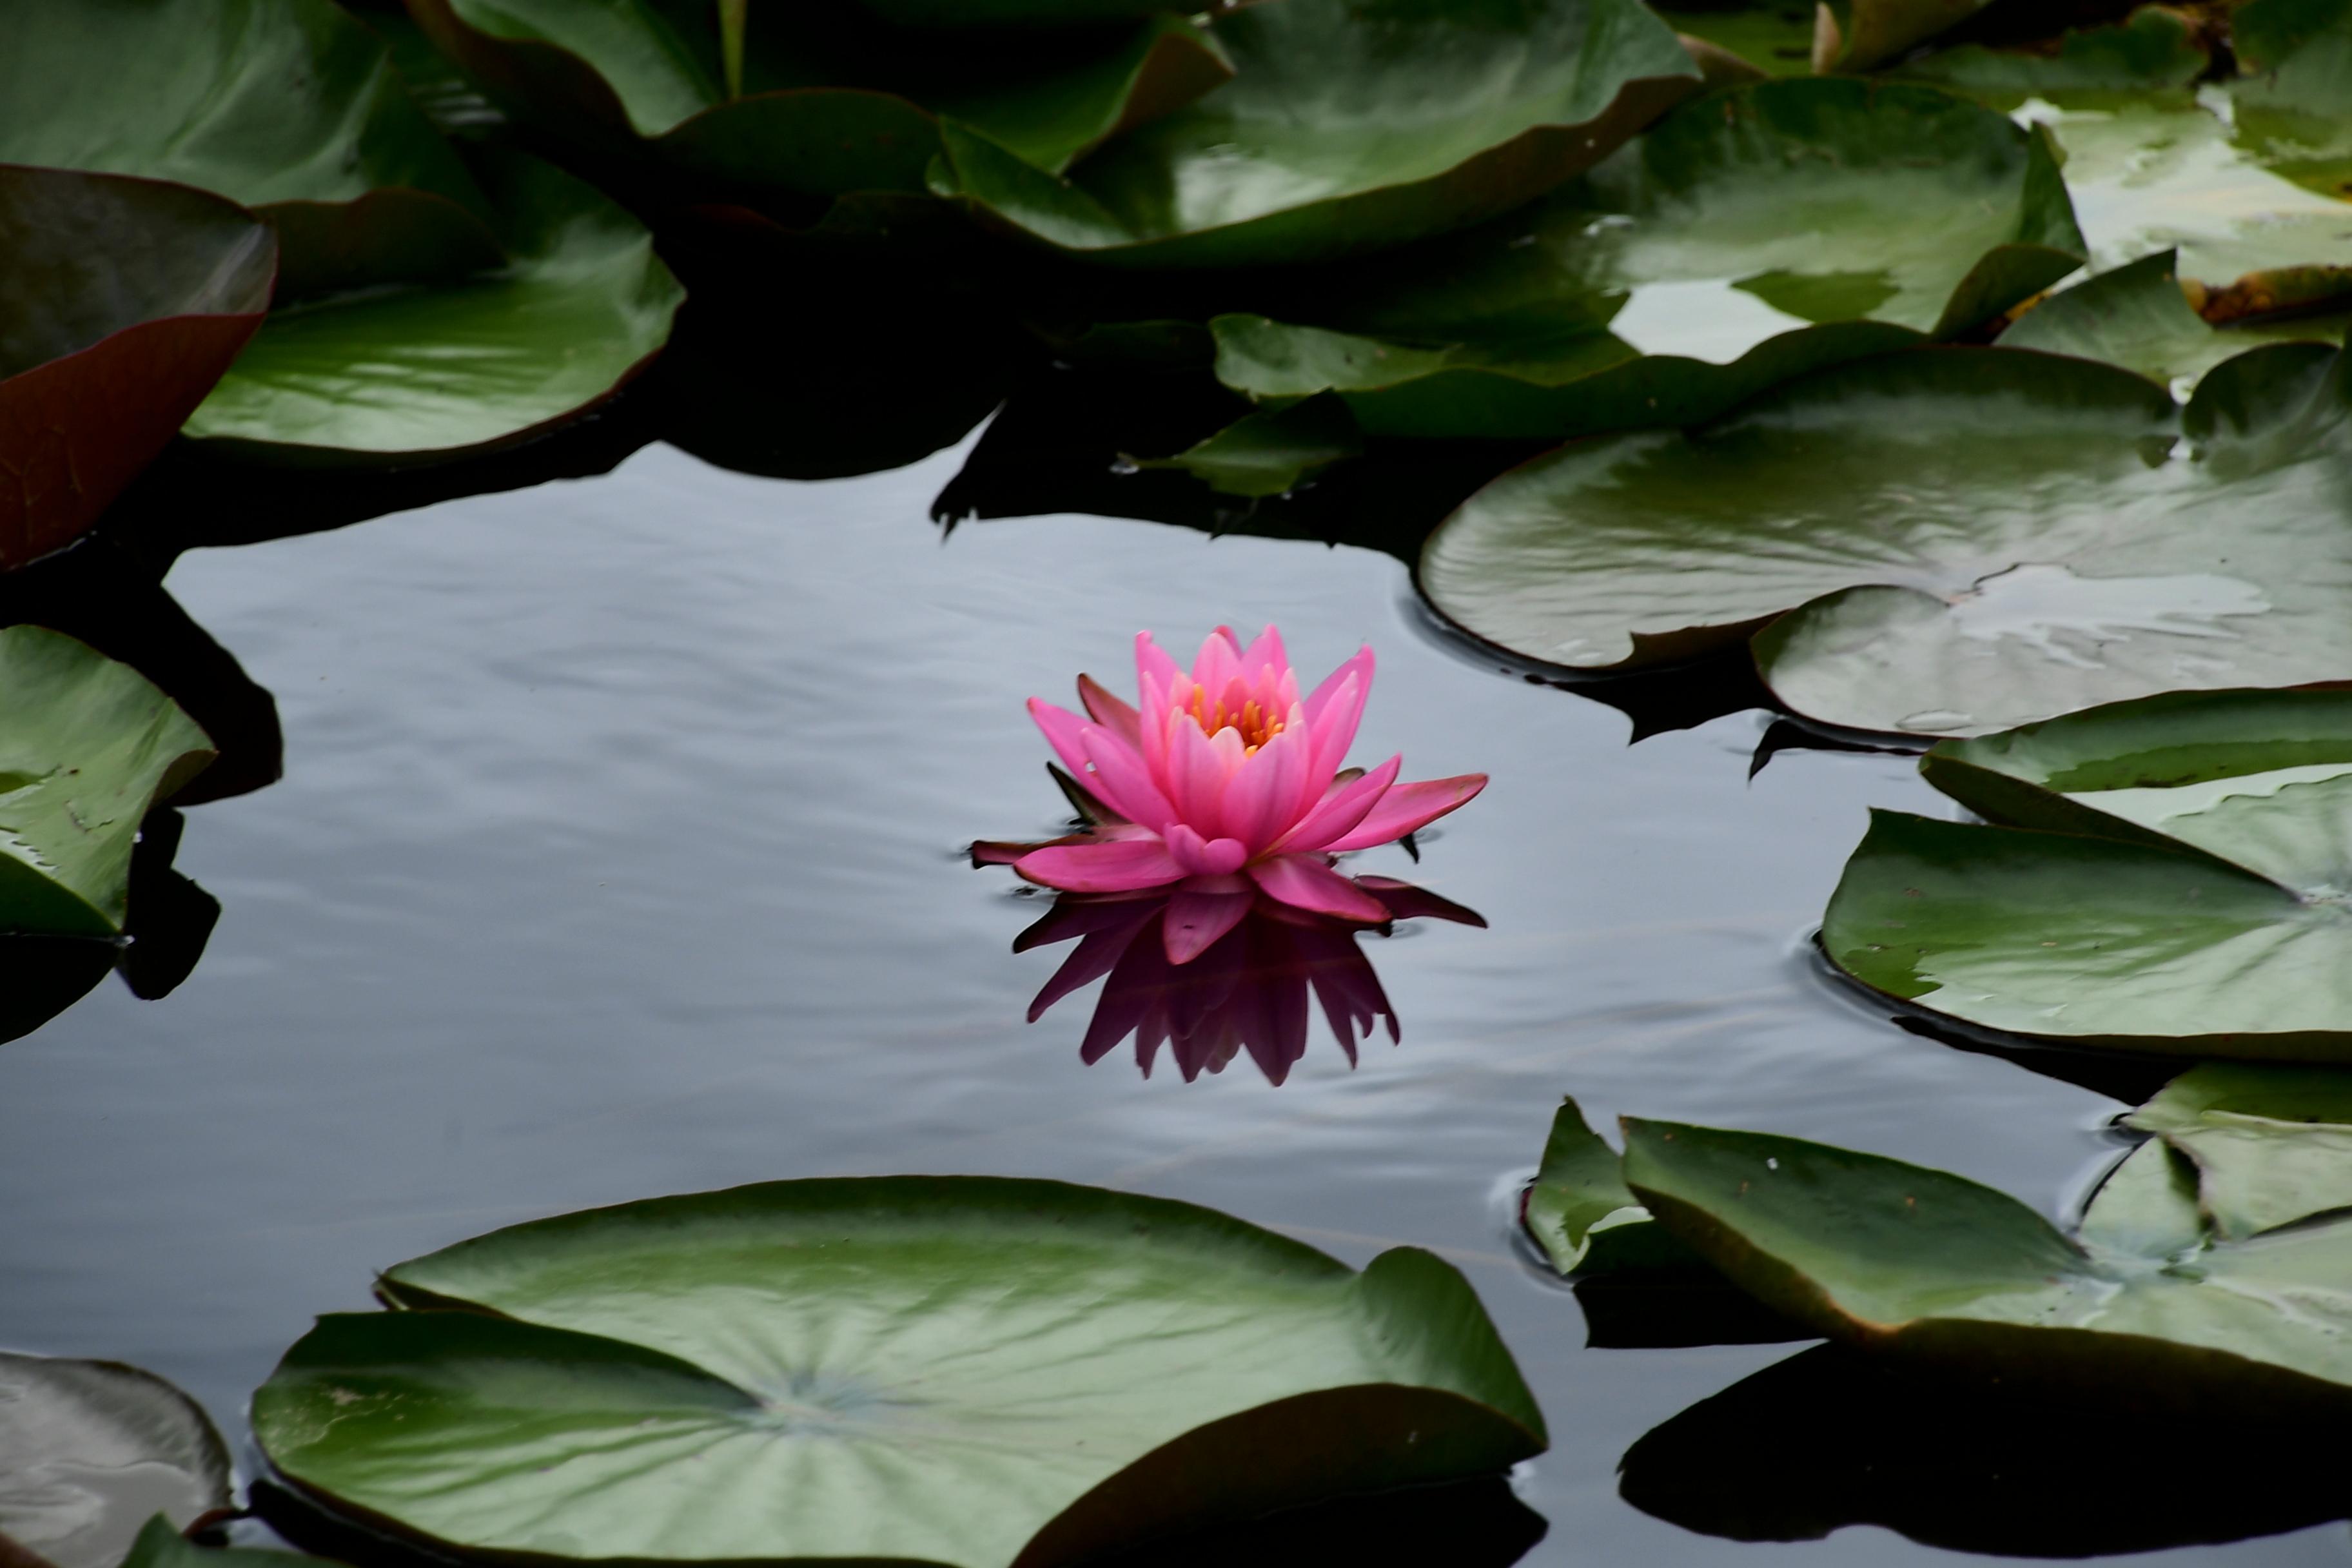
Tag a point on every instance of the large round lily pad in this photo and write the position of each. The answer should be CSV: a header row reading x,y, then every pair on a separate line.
x,y
290,107
1694,268
90,1451
1939,542
1350,125
121,302
951,1370
2145,1309
2166,875
437,369
89,746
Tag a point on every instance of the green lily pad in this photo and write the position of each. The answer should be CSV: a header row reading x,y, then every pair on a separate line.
x,y
440,369
834,100
2269,1145
953,1370
1748,237
2139,316
88,747
290,107
2168,875
92,1450
1272,452
1898,1260
1938,541
2155,46
1580,1210
2294,109
1351,125
121,302
158,1545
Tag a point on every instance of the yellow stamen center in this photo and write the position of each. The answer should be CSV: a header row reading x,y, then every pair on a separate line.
x,y
1254,723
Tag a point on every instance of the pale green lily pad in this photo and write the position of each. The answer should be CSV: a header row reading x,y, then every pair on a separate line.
x,y
2155,48
444,368
833,101
290,107
1579,1210
2269,1146
2139,316
1350,125
1747,238
2167,874
1902,1260
1775,36
89,746
954,1370
1939,542
92,1450
1860,35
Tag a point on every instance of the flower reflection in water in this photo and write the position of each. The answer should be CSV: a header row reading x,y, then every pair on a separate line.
x,y
1253,988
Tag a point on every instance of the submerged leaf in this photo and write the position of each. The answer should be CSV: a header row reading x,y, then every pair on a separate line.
x,y
1271,453
952,1370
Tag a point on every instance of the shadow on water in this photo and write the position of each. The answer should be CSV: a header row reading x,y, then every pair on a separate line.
x,y
1466,1524
1827,1438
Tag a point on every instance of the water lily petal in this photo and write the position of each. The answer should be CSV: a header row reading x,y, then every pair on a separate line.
x,y
1152,663
1265,659
1220,662
1109,866
1088,961
1342,806
1322,698
1408,806
1109,712
1194,921
1307,882
1061,727
1262,802
1334,724
1407,901
1204,858
1124,783
1196,779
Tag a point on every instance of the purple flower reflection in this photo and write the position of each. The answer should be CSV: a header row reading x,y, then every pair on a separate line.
x,y
1251,989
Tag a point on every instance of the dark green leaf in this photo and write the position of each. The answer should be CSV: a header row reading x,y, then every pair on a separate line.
x,y
1351,125
1273,452
939,1370
2271,1145
290,107
1710,244
121,302
89,746
440,369
2156,47
2139,316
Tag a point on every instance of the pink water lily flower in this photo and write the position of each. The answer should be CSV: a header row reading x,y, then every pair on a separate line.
x,y
1223,781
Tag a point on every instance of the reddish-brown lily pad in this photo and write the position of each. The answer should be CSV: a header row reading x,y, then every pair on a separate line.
x,y
121,302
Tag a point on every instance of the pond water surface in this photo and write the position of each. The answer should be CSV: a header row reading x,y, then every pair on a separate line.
x,y
618,853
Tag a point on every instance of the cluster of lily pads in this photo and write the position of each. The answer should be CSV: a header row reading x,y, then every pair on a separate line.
x,y
1948,378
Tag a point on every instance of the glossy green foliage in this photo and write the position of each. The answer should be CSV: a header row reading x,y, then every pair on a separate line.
x,y
2155,48
2139,316
158,1545
2164,875
952,1370
92,1450
446,367
835,99
1938,541
1859,35
2270,1145
2294,109
90,745
290,107
2146,1308
1775,38
1579,1210
1733,244
121,302
1350,125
